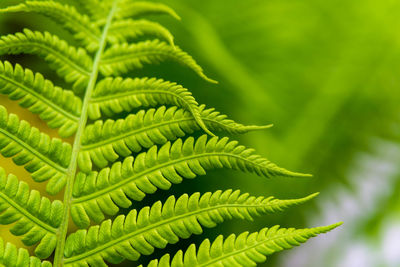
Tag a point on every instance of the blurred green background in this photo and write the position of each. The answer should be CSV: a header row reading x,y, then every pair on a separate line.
x,y
327,75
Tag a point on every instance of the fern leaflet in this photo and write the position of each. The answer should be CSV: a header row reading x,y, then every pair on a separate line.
x,y
113,96
80,25
121,58
244,250
123,30
10,256
35,217
58,107
111,139
72,64
45,158
142,8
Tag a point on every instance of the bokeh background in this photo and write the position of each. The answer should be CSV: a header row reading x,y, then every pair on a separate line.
x,y
327,75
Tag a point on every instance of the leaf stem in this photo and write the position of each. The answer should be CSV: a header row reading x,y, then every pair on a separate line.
x,y
71,171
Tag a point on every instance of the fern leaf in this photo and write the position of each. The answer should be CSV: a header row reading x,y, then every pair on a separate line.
x,y
112,96
93,70
36,218
243,250
134,9
123,30
74,65
160,169
139,232
95,8
59,108
112,139
10,256
45,158
80,25
121,58
116,95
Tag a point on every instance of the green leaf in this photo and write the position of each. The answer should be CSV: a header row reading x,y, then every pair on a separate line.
x,y
36,218
113,96
140,232
128,8
80,25
123,30
122,58
72,64
94,193
11,257
59,108
244,250
45,158
111,139
95,8
103,192
116,95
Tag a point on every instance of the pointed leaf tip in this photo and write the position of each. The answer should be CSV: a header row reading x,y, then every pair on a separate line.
x,y
314,195
259,127
328,228
202,125
209,79
265,126
176,16
336,225
309,197
298,175
207,131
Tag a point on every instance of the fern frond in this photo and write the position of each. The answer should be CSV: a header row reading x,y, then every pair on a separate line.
x,y
35,217
112,96
140,232
74,65
112,139
244,250
10,256
80,25
45,158
135,9
121,58
59,108
123,30
105,169
108,189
